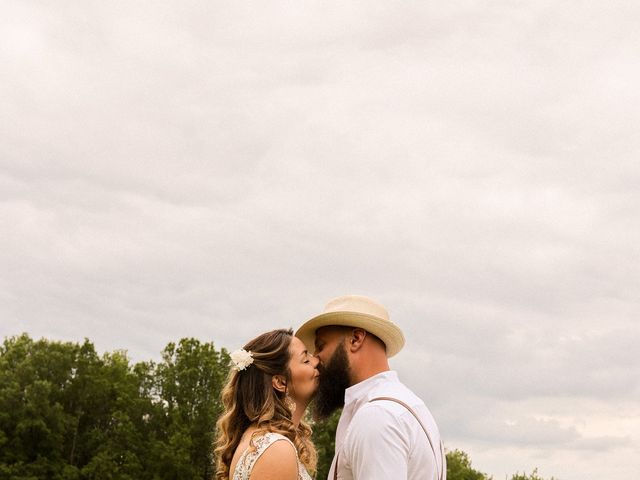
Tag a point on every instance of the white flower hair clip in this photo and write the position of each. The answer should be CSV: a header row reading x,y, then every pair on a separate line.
x,y
241,359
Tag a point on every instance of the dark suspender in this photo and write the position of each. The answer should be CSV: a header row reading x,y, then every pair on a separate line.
x,y
424,429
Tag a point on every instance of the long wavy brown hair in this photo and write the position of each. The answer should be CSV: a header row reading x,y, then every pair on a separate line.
x,y
250,399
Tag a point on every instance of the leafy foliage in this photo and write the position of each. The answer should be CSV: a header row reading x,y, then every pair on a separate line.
x,y
324,435
67,413
459,467
532,476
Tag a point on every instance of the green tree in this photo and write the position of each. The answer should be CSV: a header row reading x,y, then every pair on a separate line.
x,y
459,467
532,476
324,434
112,437
67,413
34,380
189,383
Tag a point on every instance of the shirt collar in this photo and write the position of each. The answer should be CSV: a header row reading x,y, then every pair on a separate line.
x,y
362,389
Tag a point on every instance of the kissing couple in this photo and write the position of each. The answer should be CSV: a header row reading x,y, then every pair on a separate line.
x,y
338,359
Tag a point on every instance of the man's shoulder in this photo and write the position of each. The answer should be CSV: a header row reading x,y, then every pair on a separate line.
x,y
397,390
375,425
379,410
379,426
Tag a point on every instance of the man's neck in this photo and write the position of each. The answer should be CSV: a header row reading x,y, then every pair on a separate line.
x,y
363,374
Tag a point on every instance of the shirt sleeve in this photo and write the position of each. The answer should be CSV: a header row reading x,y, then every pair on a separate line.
x,y
377,447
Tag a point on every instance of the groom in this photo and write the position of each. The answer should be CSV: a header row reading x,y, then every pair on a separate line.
x,y
385,431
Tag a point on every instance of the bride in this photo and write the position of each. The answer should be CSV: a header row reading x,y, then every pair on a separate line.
x,y
261,433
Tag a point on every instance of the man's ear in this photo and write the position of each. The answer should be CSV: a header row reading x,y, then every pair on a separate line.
x,y
356,339
279,383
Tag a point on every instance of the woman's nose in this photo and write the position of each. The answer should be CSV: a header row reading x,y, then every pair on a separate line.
x,y
315,361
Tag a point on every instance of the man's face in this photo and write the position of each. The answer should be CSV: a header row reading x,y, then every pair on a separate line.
x,y
334,371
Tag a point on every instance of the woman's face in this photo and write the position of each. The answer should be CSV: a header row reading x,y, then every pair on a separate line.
x,y
304,374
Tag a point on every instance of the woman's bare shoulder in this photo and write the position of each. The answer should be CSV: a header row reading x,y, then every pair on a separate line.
x,y
279,461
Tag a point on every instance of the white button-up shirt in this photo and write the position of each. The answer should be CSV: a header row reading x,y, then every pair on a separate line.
x,y
382,440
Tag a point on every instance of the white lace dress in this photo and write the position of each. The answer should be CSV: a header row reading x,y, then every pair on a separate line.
x,y
248,458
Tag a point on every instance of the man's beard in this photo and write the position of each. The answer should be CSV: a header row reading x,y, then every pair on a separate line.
x,y
334,380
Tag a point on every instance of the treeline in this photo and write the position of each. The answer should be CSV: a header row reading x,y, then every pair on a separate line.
x,y
68,413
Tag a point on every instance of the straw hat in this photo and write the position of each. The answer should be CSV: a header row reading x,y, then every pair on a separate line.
x,y
355,311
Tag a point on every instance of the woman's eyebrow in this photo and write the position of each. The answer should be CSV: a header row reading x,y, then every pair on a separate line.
x,y
304,353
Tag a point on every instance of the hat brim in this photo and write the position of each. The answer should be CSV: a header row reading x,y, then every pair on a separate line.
x,y
385,330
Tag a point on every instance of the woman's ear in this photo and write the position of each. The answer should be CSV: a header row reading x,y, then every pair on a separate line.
x,y
279,383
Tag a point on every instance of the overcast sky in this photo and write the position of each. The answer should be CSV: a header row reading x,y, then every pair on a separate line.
x,y
218,169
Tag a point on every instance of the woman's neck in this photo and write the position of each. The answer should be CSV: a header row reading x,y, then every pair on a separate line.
x,y
298,413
